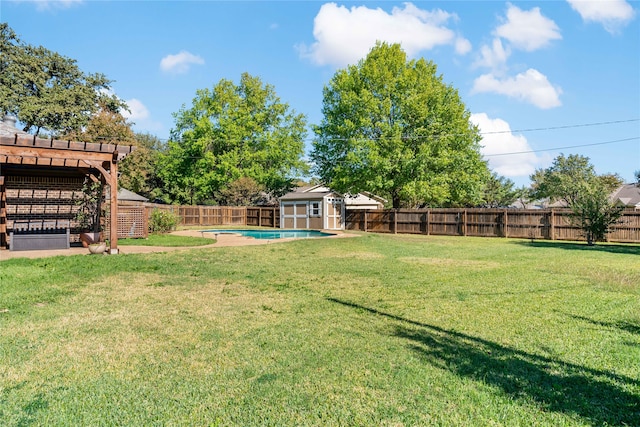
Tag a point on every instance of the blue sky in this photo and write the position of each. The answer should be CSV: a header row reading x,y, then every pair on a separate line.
x,y
539,77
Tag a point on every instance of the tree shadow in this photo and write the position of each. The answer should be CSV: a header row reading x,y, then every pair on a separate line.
x,y
606,247
597,396
631,327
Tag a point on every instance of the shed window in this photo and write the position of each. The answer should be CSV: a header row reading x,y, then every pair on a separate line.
x,y
315,209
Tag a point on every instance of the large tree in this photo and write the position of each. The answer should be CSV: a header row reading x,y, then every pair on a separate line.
x,y
46,90
395,128
107,125
230,132
500,192
139,170
573,180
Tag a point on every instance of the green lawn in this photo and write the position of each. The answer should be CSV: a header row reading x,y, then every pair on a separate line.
x,y
167,240
374,330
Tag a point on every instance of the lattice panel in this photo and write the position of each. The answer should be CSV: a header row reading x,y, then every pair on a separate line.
x,y
132,223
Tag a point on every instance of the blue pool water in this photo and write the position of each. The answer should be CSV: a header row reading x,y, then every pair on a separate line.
x,y
274,234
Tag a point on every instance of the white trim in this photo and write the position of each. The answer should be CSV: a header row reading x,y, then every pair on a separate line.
x,y
312,208
335,221
296,217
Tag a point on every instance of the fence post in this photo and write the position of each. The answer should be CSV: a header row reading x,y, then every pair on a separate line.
x,y
259,217
145,222
181,214
464,222
428,218
505,223
552,228
395,221
365,220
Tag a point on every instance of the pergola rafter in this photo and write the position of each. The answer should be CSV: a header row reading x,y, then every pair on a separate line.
x,y
42,153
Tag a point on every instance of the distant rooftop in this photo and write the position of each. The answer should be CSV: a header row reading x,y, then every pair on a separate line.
x,y
8,127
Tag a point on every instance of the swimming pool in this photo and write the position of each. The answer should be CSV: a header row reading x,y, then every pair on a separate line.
x,y
274,234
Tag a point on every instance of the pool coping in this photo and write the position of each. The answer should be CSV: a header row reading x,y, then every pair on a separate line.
x,y
224,240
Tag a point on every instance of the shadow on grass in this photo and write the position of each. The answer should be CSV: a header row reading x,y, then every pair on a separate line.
x,y
603,247
597,396
631,327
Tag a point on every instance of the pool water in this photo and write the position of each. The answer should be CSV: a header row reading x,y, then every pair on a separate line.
x,y
274,234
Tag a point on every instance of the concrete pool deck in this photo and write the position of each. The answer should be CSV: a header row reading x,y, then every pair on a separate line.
x,y
222,241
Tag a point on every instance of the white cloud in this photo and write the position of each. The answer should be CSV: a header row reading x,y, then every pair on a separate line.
x,y
494,56
344,36
138,111
180,63
528,30
141,117
463,46
612,14
531,86
498,139
42,5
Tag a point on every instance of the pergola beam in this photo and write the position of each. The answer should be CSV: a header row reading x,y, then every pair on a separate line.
x,y
34,151
53,153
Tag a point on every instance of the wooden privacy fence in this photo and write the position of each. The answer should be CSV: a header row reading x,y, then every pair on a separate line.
x,y
517,223
221,215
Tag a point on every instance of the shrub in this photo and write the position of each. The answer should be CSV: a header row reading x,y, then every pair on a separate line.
x,y
162,221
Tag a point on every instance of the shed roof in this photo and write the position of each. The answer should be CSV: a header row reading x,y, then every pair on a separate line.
x,y
124,194
312,192
312,195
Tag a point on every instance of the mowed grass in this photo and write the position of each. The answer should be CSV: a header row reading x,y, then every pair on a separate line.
x,y
167,240
373,330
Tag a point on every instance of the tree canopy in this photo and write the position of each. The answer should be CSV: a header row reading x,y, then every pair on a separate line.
x,y
230,132
139,170
568,177
105,125
394,128
46,90
573,179
500,192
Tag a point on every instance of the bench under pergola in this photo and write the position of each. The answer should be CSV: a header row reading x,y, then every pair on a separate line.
x,y
24,154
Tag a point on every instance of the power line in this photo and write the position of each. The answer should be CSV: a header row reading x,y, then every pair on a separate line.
x,y
548,128
561,127
524,152
419,137
561,148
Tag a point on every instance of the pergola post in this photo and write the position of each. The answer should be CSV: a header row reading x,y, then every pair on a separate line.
x,y
113,232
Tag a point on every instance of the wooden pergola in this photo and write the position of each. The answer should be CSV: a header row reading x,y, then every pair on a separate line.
x,y
41,153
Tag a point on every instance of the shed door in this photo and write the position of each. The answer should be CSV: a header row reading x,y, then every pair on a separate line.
x,y
294,215
335,213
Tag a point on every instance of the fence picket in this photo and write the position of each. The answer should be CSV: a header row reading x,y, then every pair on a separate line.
x,y
549,224
546,224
